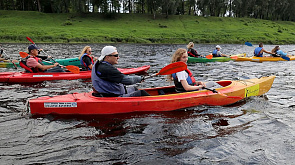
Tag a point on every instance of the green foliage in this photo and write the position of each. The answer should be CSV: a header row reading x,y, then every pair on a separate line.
x,y
139,28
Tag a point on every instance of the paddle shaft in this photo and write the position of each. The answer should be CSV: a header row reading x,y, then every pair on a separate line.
x,y
42,49
215,91
2,51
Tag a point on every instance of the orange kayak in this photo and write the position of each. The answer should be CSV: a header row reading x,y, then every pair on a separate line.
x,y
161,99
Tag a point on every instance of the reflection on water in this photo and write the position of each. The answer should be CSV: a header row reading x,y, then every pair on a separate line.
x,y
258,130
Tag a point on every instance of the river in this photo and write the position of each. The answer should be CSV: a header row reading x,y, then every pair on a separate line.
x,y
259,130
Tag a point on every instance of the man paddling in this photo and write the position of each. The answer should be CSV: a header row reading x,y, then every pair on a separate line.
x,y
258,52
108,81
34,64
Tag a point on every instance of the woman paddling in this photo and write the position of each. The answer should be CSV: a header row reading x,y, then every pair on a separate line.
x,y
184,81
192,52
86,58
277,52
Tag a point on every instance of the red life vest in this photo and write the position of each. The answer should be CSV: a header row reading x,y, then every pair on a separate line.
x,y
23,64
83,63
190,80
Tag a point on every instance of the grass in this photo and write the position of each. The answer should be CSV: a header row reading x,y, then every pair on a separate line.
x,y
139,28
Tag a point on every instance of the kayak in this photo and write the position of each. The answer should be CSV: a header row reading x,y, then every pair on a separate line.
x,y
23,78
262,59
214,59
161,99
64,61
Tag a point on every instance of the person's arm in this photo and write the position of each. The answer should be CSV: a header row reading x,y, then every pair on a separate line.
x,y
280,52
129,80
44,67
263,50
88,62
188,87
42,57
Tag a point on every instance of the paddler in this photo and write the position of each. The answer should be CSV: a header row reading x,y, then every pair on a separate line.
x,y
34,64
258,52
108,81
217,53
191,51
86,59
184,81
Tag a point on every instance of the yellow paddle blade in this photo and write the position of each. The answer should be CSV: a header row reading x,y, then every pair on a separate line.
x,y
73,69
209,56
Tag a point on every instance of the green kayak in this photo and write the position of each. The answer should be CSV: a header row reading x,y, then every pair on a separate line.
x,y
64,61
214,59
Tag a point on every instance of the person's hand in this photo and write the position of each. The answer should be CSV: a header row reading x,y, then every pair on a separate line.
x,y
142,79
55,64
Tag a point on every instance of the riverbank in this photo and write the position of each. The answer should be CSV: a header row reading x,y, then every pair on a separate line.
x,y
139,28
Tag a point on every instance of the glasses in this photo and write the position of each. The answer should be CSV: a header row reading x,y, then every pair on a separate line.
x,y
115,55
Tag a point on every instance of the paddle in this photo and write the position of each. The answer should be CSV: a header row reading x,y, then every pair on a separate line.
x,y
71,68
234,57
248,44
12,61
41,49
285,57
169,69
209,56
222,94
74,68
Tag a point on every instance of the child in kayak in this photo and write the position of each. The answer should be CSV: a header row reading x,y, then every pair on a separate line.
x,y
86,58
184,81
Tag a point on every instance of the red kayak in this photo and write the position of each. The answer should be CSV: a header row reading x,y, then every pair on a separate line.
x,y
22,77
161,99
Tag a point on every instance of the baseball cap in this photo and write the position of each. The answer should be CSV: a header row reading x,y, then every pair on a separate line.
x,y
33,46
218,47
107,50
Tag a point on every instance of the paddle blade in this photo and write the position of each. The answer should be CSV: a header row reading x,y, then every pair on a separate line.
x,y
30,40
210,56
23,54
248,44
173,68
285,57
234,57
73,69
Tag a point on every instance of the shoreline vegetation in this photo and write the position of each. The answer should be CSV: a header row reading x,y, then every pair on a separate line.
x,y
15,26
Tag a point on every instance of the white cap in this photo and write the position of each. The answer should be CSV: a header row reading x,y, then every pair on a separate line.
x,y
218,47
107,50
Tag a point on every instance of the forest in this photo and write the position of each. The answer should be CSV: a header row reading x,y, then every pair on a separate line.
x,y
275,10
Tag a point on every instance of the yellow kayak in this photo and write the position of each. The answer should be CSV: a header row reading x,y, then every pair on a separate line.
x,y
262,59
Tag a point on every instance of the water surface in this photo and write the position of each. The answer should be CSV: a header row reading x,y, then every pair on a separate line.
x,y
259,130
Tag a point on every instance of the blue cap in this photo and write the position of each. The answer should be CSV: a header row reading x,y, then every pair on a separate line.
x,y
33,46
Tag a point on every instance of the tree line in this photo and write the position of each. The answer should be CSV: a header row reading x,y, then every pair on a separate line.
x,y
262,9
